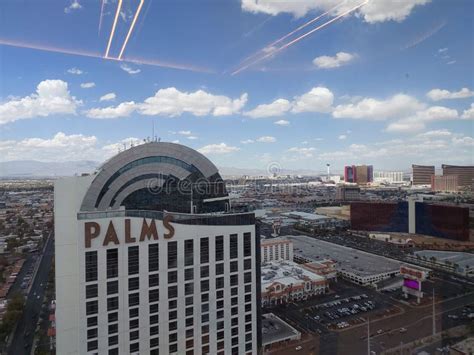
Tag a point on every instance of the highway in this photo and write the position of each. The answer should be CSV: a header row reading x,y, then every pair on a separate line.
x,y
24,333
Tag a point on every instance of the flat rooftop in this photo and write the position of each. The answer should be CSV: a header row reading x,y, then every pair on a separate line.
x,y
462,259
274,329
305,215
286,273
347,259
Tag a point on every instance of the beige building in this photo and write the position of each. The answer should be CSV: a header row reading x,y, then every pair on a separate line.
x,y
276,249
445,183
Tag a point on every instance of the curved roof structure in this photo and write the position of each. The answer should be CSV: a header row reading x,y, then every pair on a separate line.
x,y
156,175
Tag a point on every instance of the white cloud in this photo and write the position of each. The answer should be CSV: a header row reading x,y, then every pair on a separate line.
x,y
372,12
75,5
51,97
418,121
372,109
61,147
468,114
439,94
266,139
75,71
342,137
436,134
451,62
327,62
318,99
282,123
247,141
442,50
276,108
192,137
129,69
172,102
220,148
185,133
302,152
124,109
87,85
108,97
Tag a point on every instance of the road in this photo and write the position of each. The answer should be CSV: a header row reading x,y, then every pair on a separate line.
x,y
23,336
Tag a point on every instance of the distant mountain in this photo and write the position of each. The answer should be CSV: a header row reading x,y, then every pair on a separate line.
x,y
33,168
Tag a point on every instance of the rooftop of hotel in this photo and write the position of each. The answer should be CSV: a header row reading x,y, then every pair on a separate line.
x,y
460,258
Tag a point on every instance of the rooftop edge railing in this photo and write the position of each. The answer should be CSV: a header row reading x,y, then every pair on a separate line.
x,y
211,219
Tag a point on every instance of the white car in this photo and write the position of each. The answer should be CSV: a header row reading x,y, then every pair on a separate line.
x,y
298,348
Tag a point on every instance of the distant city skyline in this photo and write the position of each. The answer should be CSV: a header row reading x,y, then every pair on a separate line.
x,y
386,85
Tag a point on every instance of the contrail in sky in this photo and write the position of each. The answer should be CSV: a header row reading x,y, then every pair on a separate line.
x,y
279,49
294,31
101,14
119,6
131,28
152,62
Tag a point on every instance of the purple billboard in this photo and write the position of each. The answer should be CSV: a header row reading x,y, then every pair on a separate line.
x,y
411,284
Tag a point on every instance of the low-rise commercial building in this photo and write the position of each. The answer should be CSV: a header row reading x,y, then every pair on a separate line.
x,y
456,262
286,281
276,249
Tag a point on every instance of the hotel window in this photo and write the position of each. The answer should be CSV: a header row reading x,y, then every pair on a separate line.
x,y
134,347
248,327
189,311
173,304
91,266
220,282
188,274
248,346
247,244
220,314
134,335
134,323
133,260
112,263
154,308
219,248
153,254
247,264
234,310
204,250
133,299
172,325
248,288
234,266
133,313
234,301
220,335
113,328
91,291
112,317
189,344
172,277
248,307
220,269
92,307
204,271
153,280
234,249
235,341
248,298
112,287
234,291
92,345
172,291
173,348
204,285
154,295
205,349
189,301
248,337
220,304
205,329
219,294
220,325
188,252
112,303
154,342
113,340
154,330
173,337
248,318
92,333
92,321
133,283
234,280
234,321
154,320
189,322
172,255
189,289
113,351
189,333
248,277
204,308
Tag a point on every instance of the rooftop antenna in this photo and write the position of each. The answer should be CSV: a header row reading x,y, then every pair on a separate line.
x,y
152,128
124,146
159,139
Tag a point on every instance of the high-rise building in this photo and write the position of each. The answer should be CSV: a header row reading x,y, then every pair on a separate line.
x,y
361,174
445,183
150,260
422,174
465,174
276,249
350,173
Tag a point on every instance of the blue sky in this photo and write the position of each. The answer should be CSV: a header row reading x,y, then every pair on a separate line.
x,y
390,83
